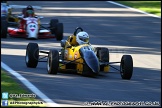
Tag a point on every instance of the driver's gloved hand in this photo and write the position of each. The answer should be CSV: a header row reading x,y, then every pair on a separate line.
x,y
21,16
35,16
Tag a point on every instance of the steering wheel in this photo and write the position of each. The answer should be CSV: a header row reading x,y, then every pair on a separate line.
x,y
76,30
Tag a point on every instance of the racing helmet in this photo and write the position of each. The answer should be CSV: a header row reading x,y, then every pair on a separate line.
x,y
29,7
30,10
82,38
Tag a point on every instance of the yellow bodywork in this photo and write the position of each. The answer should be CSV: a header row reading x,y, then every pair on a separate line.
x,y
71,53
106,68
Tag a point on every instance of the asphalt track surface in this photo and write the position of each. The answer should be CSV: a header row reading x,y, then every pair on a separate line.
x,y
121,30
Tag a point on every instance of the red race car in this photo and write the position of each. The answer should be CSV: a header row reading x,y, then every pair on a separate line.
x,y
29,26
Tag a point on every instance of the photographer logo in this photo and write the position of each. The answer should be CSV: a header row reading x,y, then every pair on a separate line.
x,y
5,95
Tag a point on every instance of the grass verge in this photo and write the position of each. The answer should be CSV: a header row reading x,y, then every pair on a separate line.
x,y
9,85
153,7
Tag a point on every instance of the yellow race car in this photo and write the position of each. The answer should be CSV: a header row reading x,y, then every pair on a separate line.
x,y
83,59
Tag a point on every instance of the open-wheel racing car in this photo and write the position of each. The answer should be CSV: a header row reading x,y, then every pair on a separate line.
x,y
83,59
33,29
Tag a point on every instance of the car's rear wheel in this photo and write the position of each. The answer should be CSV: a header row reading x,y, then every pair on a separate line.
x,y
59,31
126,67
32,55
53,62
103,56
53,23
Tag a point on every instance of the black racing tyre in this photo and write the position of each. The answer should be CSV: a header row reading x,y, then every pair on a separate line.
x,y
4,26
126,67
53,23
59,31
53,62
102,54
32,55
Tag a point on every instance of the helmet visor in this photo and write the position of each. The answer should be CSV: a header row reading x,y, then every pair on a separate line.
x,y
30,11
84,39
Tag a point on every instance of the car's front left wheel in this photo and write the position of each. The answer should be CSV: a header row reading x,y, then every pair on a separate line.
x,y
4,26
126,67
53,62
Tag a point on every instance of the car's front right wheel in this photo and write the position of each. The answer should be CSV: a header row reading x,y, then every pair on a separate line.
x,y
32,55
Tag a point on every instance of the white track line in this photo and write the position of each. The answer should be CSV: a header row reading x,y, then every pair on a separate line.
x,y
133,9
29,85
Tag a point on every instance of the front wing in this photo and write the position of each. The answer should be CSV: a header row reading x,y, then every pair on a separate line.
x,y
16,32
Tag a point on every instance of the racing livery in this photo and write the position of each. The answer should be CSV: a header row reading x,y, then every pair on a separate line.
x,y
82,59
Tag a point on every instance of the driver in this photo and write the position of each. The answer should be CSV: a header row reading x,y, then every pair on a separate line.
x,y
27,12
82,38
